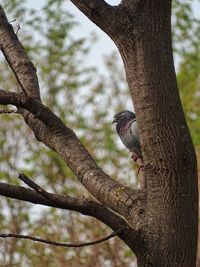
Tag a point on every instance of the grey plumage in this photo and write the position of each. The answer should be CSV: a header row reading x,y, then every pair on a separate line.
x,y
126,128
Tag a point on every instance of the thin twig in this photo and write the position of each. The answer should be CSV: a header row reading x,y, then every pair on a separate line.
x,y
8,111
18,28
54,243
53,199
10,264
37,188
11,21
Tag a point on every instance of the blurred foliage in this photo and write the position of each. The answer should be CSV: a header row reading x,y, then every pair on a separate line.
x,y
186,36
80,96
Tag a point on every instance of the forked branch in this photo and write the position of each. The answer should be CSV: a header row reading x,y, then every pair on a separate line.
x,y
83,206
98,11
64,141
58,200
50,130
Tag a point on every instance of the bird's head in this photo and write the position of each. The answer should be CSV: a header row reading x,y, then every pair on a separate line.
x,y
124,115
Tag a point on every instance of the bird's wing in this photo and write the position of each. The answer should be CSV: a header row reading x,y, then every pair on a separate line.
x,y
134,130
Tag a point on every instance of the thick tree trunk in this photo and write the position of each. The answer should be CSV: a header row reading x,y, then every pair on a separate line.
x,y
170,226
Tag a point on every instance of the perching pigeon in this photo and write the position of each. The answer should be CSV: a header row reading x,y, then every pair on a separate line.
x,y
127,130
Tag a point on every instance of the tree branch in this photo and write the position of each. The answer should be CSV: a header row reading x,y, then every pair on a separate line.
x,y
10,98
59,244
49,129
52,131
51,197
99,12
84,206
22,67
40,190
63,202
63,140
8,111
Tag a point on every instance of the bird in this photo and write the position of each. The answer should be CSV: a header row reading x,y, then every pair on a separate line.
x,y
126,128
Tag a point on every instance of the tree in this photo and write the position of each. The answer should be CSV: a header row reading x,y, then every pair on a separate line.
x,y
159,222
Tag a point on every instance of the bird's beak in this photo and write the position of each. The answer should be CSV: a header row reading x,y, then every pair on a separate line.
x,y
115,120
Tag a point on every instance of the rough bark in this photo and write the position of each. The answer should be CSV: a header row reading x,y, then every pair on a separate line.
x,y
16,57
169,156
162,219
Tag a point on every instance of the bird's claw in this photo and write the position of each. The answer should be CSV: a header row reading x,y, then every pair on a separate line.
x,y
140,167
135,157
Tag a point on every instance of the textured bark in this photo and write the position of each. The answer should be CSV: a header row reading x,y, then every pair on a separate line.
x,y
198,250
169,156
23,68
170,163
161,219
84,206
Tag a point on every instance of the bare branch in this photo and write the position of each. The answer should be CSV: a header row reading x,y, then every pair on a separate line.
x,y
49,129
18,28
84,206
38,189
52,131
99,12
17,58
64,202
9,98
58,244
8,111
11,21
53,198
64,141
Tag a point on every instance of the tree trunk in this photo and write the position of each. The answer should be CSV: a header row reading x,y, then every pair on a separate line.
x,y
170,225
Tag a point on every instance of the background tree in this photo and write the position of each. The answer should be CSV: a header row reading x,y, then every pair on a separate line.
x,y
50,82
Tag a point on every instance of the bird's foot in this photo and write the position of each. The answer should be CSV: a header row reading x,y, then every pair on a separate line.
x,y
140,170
135,157
140,167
